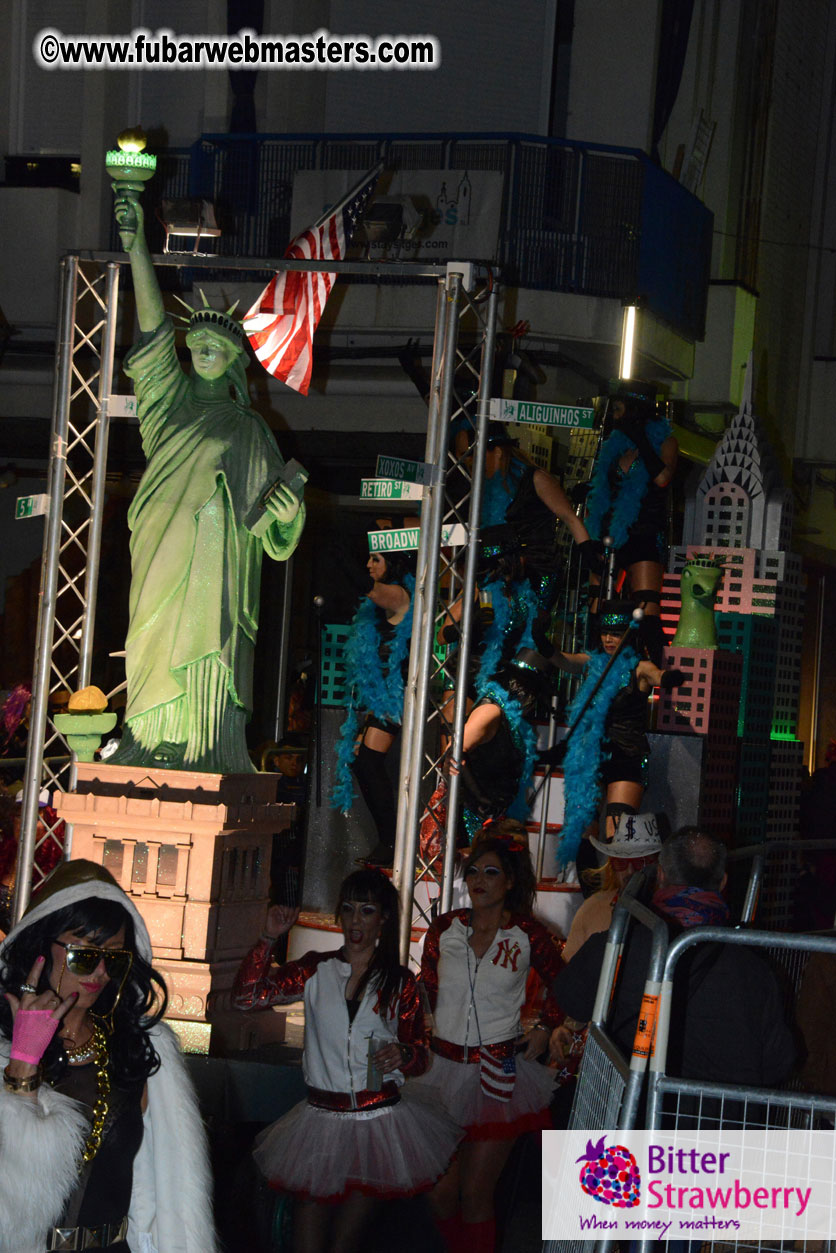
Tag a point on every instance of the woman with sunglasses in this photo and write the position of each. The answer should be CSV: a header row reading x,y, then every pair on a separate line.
x,y
102,1145
354,1139
474,969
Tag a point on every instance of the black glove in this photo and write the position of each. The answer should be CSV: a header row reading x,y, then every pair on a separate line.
x,y
450,633
671,679
592,555
553,756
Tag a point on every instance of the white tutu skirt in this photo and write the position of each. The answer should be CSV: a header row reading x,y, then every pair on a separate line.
x,y
324,1155
459,1089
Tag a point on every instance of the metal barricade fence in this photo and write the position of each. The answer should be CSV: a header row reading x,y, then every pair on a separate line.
x,y
609,1086
674,1102
774,859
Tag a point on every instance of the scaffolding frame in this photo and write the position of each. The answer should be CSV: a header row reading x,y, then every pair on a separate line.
x,y
76,495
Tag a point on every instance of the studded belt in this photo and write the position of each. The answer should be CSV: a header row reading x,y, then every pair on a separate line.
x,y
86,1237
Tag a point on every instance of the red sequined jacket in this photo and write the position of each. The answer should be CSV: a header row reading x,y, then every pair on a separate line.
x,y
336,1054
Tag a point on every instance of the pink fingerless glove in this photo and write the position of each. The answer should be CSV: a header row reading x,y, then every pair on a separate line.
x,y
32,1031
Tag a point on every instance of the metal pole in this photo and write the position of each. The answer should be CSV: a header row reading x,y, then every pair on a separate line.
x,y
319,605
404,861
49,581
816,696
425,592
97,493
284,643
468,593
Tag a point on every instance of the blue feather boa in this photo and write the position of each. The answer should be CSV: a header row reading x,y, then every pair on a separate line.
x,y
633,488
582,764
498,494
367,688
514,610
525,741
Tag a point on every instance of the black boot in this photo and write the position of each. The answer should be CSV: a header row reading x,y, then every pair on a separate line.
x,y
369,769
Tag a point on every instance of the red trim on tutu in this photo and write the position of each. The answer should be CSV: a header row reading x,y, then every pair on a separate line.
x,y
382,1194
539,1120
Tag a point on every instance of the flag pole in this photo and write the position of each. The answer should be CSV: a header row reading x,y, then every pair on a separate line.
x,y
373,173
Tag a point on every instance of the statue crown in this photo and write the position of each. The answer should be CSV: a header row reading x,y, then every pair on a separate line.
x,y
222,323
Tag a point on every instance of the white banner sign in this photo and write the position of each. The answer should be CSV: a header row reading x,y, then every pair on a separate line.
x,y
448,214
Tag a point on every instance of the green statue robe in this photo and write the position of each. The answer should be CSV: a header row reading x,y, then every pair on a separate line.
x,y
195,568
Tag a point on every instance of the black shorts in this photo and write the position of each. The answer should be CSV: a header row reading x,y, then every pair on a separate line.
x,y
624,767
641,545
391,728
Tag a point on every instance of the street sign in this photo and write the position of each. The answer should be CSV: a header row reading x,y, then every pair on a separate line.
x,y
528,411
407,538
400,539
405,471
31,506
121,406
389,489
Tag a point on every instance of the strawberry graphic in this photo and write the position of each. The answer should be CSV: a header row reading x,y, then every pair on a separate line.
x,y
610,1174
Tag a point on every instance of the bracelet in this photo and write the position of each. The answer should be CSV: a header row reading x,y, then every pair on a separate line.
x,y
268,939
541,1026
30,1084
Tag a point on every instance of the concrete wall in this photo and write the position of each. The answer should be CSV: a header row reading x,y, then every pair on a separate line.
x,y
613,79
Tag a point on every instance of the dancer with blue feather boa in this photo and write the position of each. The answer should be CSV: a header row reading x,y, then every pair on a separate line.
x,y
376,657
607,747
628,499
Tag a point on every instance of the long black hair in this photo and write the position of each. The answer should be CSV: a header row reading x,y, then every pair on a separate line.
x,y
398,566
143,998
385,967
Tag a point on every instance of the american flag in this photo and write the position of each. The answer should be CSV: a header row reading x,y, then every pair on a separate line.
x,y
281,324
497,1075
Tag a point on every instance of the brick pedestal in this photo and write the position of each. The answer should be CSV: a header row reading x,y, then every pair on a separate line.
x,y
192,851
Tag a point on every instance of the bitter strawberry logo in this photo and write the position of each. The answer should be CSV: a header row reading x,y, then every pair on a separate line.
x,y
610,1174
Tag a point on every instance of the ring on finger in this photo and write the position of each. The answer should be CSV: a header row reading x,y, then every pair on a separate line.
x,y
28,987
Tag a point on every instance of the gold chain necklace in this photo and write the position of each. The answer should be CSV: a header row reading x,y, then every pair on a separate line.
x,y
77,1054
100,1109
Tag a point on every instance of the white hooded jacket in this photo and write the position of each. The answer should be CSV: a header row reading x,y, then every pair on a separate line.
x,y
41,1141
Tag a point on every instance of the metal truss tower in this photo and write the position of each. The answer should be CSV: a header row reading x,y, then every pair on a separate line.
x,y
72,541
463,359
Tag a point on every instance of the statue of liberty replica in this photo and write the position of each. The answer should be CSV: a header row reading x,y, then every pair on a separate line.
x,y
210,500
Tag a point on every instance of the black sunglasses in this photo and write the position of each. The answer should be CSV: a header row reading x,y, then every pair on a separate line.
x,y
83,959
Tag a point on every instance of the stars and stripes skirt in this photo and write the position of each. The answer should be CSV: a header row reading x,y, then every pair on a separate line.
x,y
494,1093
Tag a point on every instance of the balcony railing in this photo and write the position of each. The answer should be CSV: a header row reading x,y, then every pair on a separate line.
x,y
575,217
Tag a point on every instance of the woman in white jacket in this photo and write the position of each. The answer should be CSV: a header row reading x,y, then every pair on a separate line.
x,y
101,1143
353,1139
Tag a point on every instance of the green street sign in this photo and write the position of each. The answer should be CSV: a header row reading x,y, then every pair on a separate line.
x,y
401,539
31,506
390,489
407,538
538,414
405,471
